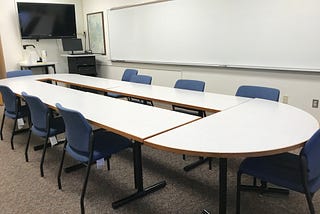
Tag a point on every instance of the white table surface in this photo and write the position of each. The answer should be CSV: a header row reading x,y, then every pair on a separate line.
x,y
193,99
97,83
78,55
200,100
247,127
132,120
28,64
255,128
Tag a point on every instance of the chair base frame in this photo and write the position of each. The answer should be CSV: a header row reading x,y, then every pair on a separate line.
x,y
264,189
39,147
14,130
197,163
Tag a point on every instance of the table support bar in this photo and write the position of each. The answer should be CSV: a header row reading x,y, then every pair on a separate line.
x,y
138,194
138,179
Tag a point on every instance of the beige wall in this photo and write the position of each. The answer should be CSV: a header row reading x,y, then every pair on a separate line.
x,y
11,40
2,65
300,87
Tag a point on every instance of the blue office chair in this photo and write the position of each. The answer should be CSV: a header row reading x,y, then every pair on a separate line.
x,y
258,92
262,93
194,85
18,73
143,79
13,109
127,74
87,146
300,173
44,125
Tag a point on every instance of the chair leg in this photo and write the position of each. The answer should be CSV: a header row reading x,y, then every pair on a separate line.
x,y
2,122
43,155
27,147
61,165
84,188
310,204
13,132
254,182
108,163
238,193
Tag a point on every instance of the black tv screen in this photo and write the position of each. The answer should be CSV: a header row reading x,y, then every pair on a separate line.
x,y
46,21
72,44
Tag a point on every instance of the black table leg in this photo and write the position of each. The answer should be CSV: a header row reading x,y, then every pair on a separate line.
x,y
222,185
54,68
46,69
138,177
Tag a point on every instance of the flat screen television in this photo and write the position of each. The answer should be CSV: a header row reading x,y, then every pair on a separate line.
x,y
46,20
72,44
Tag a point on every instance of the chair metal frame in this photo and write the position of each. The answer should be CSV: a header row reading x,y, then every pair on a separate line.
x,y
83,157
46,132
20,111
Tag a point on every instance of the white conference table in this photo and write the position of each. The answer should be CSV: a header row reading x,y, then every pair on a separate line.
x,y
96,83
255,128
247,127
205,101
134,121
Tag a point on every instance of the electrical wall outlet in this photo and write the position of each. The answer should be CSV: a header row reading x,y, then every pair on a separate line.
x,y
285,99
315,103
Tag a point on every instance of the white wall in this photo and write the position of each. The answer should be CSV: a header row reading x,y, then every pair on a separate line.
x,y
12,43
300,87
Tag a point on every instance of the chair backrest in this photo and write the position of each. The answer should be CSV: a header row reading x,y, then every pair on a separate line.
x,y
195,85
128,73
144,79
258,92
38,110
311,151
18,73
9,98
78,130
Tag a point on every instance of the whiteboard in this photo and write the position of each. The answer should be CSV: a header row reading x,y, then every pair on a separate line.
x,y
280,34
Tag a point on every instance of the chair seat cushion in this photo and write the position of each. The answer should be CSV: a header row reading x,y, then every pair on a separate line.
x,y
282,170
105,144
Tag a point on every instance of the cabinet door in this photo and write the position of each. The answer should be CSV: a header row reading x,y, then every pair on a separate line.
x,y
85,65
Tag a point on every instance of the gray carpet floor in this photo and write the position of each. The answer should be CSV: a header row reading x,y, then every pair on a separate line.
x,y
22,190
